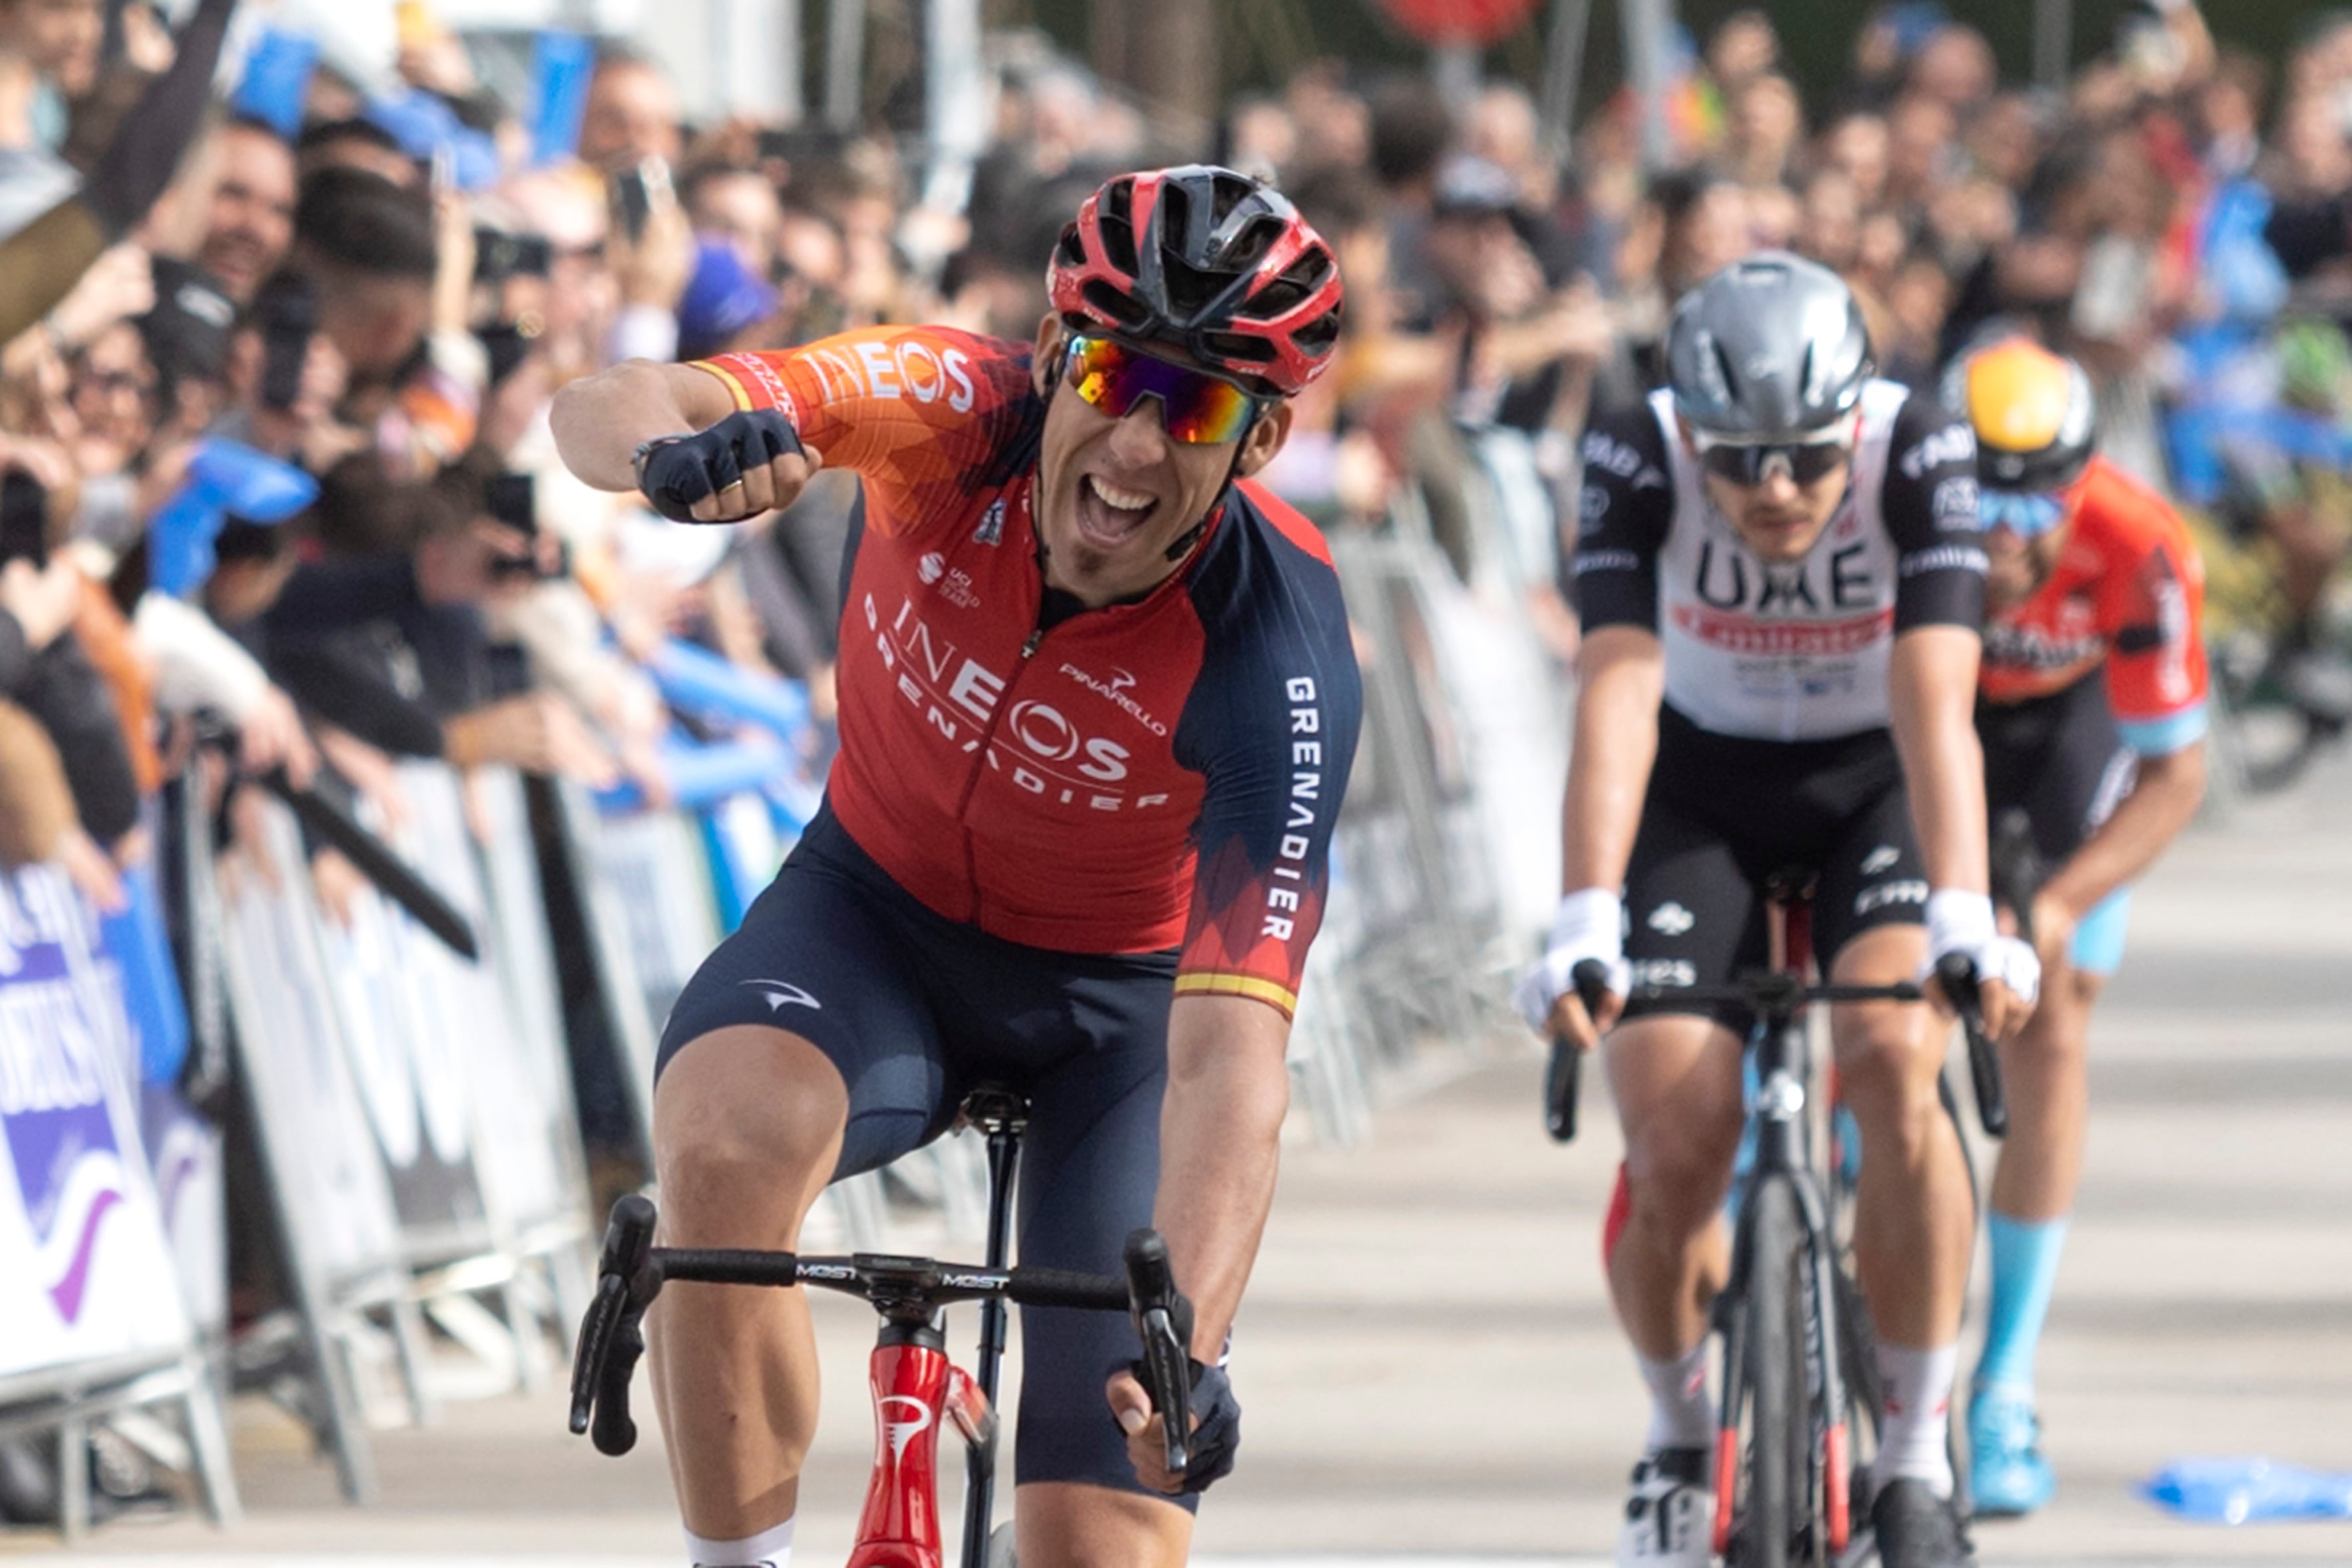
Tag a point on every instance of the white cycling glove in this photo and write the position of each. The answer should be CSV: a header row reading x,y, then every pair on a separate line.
x,y
1590,924
1963,923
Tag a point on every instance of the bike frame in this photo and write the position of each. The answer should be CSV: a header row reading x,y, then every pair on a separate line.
x,y
915,1386
1779,1045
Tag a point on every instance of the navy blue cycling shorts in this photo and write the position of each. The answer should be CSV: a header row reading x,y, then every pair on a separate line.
x,y
915,1010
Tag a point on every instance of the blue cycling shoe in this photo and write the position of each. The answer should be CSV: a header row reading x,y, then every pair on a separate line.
x,y
2007,1474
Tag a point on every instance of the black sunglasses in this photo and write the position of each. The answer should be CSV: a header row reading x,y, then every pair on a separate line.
x,y
1806,462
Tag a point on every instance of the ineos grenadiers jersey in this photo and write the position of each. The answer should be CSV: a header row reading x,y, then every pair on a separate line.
x,y
1158,774
1781,652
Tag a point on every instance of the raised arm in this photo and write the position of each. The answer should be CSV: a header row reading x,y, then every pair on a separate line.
x,y
601,421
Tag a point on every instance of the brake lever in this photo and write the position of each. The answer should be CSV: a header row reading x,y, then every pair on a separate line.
x,y
1958,977
1564,1074
611,1335
1163,1320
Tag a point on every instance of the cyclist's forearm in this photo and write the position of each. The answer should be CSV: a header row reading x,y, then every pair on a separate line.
x,y
600,421
2159,805
1932,685
1220,1138
1624,676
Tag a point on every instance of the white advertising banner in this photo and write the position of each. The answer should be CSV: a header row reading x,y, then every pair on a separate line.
x,y
325,1161
85,1272
476,1027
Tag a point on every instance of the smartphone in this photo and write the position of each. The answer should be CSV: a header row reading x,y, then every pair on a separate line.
x,y
795,142
637,191
23,519
288,311
513,501
500,253
508,345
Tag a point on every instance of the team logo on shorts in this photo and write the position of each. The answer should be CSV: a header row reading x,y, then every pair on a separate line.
x,y
1882,858
1670,919
783,994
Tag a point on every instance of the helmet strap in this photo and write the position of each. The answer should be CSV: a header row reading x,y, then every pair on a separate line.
x,y
1191,535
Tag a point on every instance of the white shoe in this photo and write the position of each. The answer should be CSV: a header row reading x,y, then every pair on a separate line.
x,y
1670,1514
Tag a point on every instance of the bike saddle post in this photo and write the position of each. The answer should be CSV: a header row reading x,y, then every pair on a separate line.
x,y
1001,1115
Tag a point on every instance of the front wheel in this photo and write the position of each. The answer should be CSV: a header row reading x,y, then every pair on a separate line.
x,y
1773,1524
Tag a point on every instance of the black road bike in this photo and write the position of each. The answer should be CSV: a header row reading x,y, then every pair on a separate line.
x,y
1800,1404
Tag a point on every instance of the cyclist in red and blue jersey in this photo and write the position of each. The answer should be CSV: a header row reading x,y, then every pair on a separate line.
x,y
2091,707
1097,708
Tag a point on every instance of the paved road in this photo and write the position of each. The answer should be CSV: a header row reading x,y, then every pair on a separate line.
x,y
1430,1366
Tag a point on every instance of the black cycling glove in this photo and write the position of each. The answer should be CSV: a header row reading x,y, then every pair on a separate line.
x,y
677,471
1216,1425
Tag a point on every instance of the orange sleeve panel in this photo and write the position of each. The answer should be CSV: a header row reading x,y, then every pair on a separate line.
x,y
926,416
2151,597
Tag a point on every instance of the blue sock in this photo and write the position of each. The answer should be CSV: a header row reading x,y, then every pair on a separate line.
x,y
2024,1271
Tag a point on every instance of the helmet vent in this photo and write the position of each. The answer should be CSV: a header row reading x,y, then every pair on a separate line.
x,y
1230,193
1112,305
1718,361
1189,288
1234,346
1117,227
1292,290
1317,336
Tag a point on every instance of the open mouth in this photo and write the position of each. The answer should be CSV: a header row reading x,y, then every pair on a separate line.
x,y
1108,516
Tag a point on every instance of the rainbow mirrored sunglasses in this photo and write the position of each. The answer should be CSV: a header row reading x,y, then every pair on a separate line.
x,y
1806,461
1198,407
2029,514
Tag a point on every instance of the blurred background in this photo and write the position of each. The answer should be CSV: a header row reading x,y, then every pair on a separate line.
x,y
369,786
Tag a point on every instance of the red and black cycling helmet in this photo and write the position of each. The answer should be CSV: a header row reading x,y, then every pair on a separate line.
x,y
1210,261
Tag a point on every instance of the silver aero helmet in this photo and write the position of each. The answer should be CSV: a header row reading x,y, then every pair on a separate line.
x,y
1771,348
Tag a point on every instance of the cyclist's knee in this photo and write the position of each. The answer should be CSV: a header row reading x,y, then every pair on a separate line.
x,y
1888,1078
1064,1524
747,1124
1676,1175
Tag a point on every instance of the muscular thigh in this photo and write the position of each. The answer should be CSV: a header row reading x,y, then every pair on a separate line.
x,y
1089,1171
1674,1077
820,956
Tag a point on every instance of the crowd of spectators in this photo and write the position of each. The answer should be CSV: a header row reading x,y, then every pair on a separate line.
x,y
2174,217
336,306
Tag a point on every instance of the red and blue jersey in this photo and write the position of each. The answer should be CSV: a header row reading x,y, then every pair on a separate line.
x,y
1162,773
2126,594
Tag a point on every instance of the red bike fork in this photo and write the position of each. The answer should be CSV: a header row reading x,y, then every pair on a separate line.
x,y
915,1386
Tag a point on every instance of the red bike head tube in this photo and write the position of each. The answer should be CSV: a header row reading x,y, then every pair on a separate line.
x,y
900,1525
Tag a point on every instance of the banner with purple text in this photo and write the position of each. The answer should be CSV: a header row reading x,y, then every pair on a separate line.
x,y
85,1272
